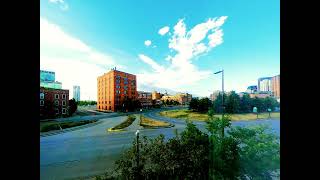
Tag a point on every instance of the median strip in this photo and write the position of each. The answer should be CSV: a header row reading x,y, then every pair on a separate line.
x,y
151,123
130,119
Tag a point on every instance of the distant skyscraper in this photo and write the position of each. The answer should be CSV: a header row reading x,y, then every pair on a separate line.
x,y
76,93
47,80
264,84
276,86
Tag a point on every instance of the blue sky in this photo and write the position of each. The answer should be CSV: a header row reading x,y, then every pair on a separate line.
x,y
80,40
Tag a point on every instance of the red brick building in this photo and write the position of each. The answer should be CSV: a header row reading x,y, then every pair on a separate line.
x,y
113,87
145,98
53,101
276,86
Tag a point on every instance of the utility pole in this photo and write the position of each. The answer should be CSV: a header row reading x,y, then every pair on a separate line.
x,y
137,157
222,72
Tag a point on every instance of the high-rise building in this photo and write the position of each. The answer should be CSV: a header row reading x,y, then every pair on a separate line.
x,y
276,86
264,84
76,93
113,88
47,80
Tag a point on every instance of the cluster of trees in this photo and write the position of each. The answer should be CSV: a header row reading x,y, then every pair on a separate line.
x,y
241,153
49,110
85,103
200,105
129,105
233,103
170,102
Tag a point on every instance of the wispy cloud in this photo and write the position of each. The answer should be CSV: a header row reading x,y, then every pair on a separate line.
x,y
185,46
163,30
73,60
63,5
147,43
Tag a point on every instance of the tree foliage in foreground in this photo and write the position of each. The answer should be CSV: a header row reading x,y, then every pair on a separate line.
x,y
193,154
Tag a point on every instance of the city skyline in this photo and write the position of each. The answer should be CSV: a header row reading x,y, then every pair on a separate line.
x,y
179,50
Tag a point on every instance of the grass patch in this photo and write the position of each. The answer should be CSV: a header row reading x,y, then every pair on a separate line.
x,y
54,125
151,123
124,124
188,114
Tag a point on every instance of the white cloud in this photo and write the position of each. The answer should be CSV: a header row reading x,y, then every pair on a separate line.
x,y
63,5
163,30
186,45
74,62
151,62
147,42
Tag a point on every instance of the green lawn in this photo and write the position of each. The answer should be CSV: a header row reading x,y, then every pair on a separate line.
x,y
54,125
187,114
124,124
151,123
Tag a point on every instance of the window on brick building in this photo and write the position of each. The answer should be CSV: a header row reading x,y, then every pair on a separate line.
x,y
56,103
41,95
64,103
64,110
64,96
56,96
56,110
41,102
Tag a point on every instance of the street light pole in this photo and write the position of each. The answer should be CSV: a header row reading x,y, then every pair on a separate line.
x,y
222,72
137,134
222,93
222,118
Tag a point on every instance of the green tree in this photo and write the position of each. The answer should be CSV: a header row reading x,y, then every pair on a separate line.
x,y
257,102
245,104
243,152
194,103
217,104
232,103
48,110
259,151
204,105
72,106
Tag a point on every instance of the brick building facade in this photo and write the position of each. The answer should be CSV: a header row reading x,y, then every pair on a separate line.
x,y
145,98
55,101
112,89
276,86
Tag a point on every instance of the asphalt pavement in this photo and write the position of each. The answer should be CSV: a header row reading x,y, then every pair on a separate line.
x,y
90,151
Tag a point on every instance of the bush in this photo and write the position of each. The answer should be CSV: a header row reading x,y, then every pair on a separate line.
x,y
49,127
194,154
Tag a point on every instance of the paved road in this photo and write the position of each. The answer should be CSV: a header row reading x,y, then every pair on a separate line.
x,y
89,151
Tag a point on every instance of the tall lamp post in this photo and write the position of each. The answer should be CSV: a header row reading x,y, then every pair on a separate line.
x,y
137,135
137,157
222,72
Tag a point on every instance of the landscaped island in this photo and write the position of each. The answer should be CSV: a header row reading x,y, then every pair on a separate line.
x,y
191,115
124,124
151,123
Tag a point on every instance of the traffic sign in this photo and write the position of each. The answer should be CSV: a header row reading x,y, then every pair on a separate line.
x,y
255,109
